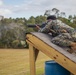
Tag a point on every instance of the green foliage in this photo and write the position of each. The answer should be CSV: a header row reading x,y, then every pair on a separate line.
x,y
70,17
29,30
68,22
31,20
36,20
40,19
12,30
15,43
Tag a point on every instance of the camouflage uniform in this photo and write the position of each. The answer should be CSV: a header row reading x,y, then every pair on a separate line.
x,y
61,39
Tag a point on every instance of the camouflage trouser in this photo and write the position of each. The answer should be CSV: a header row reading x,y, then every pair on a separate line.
x,y
64,39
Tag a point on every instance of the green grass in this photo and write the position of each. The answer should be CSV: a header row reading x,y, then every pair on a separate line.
x,y
16,62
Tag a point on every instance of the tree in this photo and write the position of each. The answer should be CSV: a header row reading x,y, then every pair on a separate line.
x,y
56,11
40,19
31,20
47,13
70,18
62,14
11,32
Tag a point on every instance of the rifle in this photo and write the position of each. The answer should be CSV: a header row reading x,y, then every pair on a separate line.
x,y
36,25
41,26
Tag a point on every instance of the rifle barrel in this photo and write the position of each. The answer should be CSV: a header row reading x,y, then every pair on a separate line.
x,y
32,26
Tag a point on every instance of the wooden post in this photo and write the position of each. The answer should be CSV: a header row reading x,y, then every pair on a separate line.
x,y
33,56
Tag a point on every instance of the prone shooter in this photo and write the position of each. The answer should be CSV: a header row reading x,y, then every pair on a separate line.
x,y
63,35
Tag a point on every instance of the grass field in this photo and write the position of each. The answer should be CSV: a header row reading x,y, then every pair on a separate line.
x,y
16,62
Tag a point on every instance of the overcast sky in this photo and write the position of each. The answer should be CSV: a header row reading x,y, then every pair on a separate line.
x,y
27,8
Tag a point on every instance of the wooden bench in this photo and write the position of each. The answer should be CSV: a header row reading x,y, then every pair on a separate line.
x,y
42,42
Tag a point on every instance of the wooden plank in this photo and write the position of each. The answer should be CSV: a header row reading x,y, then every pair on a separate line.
x,y
47,39
32,60
36,53
33,52
59,55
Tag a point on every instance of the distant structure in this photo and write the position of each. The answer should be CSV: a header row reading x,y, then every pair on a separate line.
x,y
1,17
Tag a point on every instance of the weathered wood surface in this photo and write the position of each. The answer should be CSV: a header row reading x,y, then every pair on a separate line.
x,y
47,39
43,43
33,56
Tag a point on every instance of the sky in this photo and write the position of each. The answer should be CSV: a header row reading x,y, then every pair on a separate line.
x,y
27,8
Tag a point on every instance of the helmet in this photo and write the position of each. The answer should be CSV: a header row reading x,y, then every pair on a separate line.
x,y
53,17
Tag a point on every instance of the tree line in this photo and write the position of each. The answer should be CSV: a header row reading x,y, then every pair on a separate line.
x,y
13,31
